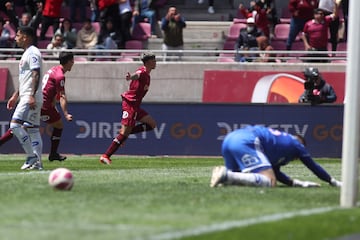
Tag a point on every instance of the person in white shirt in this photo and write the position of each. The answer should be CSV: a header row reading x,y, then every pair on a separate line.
x,y
25,121
57,45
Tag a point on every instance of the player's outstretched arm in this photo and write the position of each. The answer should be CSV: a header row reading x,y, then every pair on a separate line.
x,y
134,76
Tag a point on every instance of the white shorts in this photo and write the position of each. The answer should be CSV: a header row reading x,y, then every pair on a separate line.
x,y
242,151
23,112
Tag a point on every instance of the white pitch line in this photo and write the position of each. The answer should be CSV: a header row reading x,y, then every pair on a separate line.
x,y
241,223
25,172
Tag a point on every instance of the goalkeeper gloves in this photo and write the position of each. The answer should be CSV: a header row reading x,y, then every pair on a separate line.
x,y
335,183
305,184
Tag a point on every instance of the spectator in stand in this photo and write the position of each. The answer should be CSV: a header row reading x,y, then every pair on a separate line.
x,y
145,9
107,38
4,35
328,7
31,6
247,41
125,12
211,9
315,34
260,16
109,9
250,9
345,9
270,7
50,16
5,5
27,19
78,8
94,8
302,11
172,25
57,45
68,33
87,36
264,45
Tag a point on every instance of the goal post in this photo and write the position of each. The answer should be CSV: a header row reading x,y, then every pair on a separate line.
x,y
351,130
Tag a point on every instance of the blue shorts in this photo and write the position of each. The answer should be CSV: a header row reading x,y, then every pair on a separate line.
x,y
242,152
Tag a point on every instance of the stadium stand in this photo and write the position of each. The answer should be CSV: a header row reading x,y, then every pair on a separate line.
x,y
11,29
80,59
229,44
49,33
142,31
132,45
42,44
205,32
234,30
281,31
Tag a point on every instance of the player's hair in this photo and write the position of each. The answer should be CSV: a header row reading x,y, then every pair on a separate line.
x,y
301,139
145,56
65,57
28,31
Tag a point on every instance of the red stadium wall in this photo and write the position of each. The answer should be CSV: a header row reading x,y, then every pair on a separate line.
x,y
4,72
273,87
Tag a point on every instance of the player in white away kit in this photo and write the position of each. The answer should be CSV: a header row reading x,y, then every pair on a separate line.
x,y
25,121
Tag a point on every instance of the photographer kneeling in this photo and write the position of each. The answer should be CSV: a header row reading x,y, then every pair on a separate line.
x,y
316,89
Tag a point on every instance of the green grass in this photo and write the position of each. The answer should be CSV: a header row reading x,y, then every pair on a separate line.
x,y
164,198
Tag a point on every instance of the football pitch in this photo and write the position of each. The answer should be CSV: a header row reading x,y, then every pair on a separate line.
x,y
165,198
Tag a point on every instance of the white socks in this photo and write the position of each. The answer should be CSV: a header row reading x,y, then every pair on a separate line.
x,y
36,141
23,138
248,179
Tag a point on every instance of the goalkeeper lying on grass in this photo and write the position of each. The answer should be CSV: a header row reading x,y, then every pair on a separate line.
x,y
253,156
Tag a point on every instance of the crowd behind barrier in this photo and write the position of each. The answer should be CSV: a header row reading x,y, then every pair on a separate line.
x,y
277,36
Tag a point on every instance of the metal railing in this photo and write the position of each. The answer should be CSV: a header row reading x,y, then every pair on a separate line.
x,y
186,55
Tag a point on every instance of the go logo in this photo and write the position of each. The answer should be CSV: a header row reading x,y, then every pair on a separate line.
x,y
322,132
192,131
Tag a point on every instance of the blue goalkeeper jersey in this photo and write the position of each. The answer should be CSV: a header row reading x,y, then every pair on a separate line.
x,y
280,148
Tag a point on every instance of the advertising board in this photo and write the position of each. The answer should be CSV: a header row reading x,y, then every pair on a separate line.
x,y
189,129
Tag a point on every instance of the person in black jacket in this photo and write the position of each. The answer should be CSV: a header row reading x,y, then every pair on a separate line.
x,y
316,89
247,40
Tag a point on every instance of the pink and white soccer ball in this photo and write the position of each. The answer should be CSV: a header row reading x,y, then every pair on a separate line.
x,y
61,179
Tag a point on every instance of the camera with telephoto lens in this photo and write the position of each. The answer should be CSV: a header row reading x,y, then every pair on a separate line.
x,y
311,75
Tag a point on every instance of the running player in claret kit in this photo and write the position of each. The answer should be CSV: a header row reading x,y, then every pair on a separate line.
x,y
131,110
53,87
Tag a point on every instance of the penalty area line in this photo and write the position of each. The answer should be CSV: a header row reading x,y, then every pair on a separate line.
x,y
241,223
